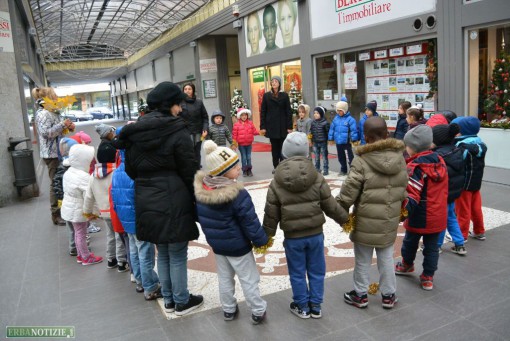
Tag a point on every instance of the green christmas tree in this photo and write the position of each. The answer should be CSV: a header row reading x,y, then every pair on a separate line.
x,y
237,102
498,94
295,98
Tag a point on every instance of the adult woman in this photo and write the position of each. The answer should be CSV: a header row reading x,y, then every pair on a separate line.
x,y
160,158
287,15
194,113
254,33
50,128
275,118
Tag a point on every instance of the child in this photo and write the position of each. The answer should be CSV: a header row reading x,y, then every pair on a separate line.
x,y
75,182
469,205
230,224
218,131
343,131
319,132
297,199
414,117
402,125
376,186
304,123
443,136
244,133
370,111
426,203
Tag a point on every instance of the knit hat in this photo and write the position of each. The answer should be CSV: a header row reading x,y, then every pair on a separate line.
x,y
449,115
241,111
215,113
344,106
469,125
296,144
443,134
219,160
320,110
164,96
81,137
103,130
436,119
278,78
419,139
106,153
372,106
65,145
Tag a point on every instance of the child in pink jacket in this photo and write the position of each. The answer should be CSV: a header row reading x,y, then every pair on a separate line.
x,y
244,133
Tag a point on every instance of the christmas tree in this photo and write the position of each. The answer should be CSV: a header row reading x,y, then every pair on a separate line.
x,y
295,98
498,94
237,102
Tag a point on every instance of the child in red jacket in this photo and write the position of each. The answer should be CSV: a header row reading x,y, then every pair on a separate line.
x,y
427,194
244,133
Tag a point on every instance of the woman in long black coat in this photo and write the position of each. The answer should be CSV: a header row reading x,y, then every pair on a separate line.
x,y
276,118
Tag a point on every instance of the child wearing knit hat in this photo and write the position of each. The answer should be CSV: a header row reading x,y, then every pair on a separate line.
x,y
304,123
426,204
319,132
244,133
227,216
469,205
342,132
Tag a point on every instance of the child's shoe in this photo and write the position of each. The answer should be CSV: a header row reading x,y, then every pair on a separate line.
x,y
258,319
231,316
460,250
151,296
315,311
480,236
92,260
249,173
194,302
427,282
73,253
112,263
401,268
123,267
169,307
79,259
139,288
388,301
352,298
133,279
296,310
325,173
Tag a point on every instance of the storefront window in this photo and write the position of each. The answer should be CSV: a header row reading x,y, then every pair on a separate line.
x,y
327,78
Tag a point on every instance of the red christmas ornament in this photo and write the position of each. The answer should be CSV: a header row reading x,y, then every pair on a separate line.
x,y
506,79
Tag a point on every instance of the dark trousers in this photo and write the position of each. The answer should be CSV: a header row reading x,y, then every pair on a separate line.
x,y
430,250
276,150
52,165
197,143
340,149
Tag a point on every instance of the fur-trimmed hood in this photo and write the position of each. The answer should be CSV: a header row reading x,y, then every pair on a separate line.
x,y
216,196
383,156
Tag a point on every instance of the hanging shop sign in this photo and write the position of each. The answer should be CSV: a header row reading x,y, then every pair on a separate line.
x,y
6,44
208,65
258,76
336,16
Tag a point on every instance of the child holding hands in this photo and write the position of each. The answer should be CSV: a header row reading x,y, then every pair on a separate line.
x,y
244,133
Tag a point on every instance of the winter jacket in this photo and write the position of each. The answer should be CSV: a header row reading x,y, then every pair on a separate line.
x,y
76,181
427,193
402,127
297,199
319,130
98,190
220,134
473,152
304,125
361,133
58,186
275,115
376,186
160,158
50,128
343,129
123,196
455,165
195,114
244,132
228,218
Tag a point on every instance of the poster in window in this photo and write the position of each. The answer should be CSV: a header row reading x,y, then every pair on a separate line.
x,y
350,76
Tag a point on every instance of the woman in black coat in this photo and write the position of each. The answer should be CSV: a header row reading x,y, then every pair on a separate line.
x,y
161,160
276,118
195,114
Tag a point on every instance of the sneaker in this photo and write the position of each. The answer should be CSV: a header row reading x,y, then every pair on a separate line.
x,y
123,267
92,260
388,301
249,173
231,316
169,307
401,268
421,247
460,250
296,310
139,288
258,319
151,296
112,263
194,302
315,311
79,259
427,282
447,237
73,253
133,279
480,236
93,228
245,173
352,298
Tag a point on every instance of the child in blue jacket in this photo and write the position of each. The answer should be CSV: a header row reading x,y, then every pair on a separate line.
x,y
227,216
370,110
342,132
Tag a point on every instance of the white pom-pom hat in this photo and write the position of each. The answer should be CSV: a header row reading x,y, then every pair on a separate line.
x,y
219,160
241,111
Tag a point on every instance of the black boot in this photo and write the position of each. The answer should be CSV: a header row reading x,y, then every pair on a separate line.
x,y
57,219
245,171
248,171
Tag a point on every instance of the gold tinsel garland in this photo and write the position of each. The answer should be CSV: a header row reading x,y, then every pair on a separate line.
x,y
350,224
90,216
59,104
403,214
373,288
263,249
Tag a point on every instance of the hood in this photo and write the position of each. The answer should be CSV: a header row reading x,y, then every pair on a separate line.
x,y
430,163
101,170
80,157
151,130
216,196
217,113
384,156
296,174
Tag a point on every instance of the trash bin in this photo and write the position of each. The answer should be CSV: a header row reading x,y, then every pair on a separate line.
x,y
23,163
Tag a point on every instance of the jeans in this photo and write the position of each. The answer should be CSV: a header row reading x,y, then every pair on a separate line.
x,y
452,225
430,250
363,261
125,243
245,156
52,165
142,263
80,238
321,148
114,246
340,149
276,150
173,272
70,229
305,258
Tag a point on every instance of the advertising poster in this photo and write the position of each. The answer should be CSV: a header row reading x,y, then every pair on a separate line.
x,y
350,76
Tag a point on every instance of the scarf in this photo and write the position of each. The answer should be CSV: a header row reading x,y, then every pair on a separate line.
x,y
214,182
103,169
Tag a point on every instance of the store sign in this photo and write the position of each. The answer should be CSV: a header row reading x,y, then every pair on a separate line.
x,y
336,16
364,56
6,44
397,51
208,65
257,76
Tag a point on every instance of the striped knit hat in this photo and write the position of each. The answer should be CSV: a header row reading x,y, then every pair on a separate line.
x,y
219,160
